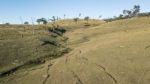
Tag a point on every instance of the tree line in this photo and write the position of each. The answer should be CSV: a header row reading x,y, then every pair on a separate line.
x,y
127,13
134,12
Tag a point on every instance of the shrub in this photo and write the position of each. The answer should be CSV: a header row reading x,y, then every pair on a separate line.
x,y
58,31
87,18
26,23
7,23
76,20
47,41
86,24
42,20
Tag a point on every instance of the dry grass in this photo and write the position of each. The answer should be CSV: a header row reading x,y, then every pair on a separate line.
x,y
18,46
110,53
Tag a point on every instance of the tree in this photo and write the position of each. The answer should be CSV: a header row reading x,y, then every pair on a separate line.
x,y
64,16
127,12
87,18
57,18
132,12
26,23
42,20
120,16
99,16
79,15
38,21
7,23
136,10
53,19
76,20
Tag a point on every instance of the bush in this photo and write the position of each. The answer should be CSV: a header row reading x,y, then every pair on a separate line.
x,y
76,20
47,41
26,23
58,31
86,24
7,23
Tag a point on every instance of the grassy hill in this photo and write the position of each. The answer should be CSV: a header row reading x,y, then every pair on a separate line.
x,y
115,52
22,45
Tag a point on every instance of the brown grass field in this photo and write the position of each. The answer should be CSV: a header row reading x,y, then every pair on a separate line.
x,y
116,52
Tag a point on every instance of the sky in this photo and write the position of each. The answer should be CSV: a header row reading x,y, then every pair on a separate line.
x,y
18,11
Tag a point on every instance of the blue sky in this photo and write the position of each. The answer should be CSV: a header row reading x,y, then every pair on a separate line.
x,y
12,10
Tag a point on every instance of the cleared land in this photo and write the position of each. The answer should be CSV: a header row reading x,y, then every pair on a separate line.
x,y
117,52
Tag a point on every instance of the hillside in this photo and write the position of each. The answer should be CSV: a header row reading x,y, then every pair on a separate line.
x,y
24,45
116,52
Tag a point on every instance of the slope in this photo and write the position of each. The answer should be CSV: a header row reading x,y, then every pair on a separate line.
x,y
112,53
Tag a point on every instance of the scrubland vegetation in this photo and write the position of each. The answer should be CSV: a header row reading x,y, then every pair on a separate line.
x,y
77,51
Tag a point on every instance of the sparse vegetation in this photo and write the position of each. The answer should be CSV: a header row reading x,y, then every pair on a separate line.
x,y
134,12
42,20
76,20
26,23
80,50
58,31
80,15
53,19
87,18
7,23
